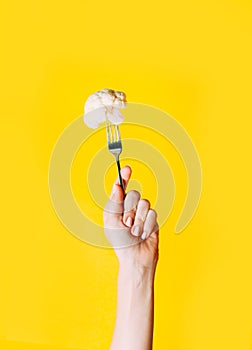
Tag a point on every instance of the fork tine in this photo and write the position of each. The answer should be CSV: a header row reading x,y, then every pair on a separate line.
x,y
113,132
118,133
115,146
110,132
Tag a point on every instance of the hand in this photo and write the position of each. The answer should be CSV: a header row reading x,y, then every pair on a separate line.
x,y
131,226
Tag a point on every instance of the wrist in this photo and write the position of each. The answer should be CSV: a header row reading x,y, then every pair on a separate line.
x,y
132,264
136,275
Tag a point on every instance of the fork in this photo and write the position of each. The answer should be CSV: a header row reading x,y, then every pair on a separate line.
x,y
115,146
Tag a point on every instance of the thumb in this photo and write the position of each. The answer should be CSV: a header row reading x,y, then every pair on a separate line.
x,y
117,194
115,203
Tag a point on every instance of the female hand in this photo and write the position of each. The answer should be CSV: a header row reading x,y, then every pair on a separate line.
x,y
131,226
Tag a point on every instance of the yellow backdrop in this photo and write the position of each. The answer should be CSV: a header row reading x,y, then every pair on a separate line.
x,y
189,58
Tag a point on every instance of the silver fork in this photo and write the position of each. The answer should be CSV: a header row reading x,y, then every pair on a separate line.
x,y
115,146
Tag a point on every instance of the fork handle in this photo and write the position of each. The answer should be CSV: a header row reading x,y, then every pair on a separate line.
x,y
119,174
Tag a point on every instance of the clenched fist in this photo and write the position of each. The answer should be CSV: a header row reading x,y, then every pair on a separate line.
x,y
131,226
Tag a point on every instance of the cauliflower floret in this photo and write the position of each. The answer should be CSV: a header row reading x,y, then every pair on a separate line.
x,y
102,105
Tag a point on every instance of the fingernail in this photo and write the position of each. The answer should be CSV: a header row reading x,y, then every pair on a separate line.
x,y
144,234
129,221
136,231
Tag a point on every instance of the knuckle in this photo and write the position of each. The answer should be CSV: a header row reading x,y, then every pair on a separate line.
x,y
129,212
139,220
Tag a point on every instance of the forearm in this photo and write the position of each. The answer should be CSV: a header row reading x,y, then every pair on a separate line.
x,y
135,308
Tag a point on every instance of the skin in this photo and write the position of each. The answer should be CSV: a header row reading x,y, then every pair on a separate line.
x,y
132,229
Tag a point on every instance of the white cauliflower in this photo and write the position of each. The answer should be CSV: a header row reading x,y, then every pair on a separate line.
x,y
104,105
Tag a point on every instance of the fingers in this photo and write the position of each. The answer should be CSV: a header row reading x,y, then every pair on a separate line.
x,y
150,224
131,211
141,214
138,216
130,207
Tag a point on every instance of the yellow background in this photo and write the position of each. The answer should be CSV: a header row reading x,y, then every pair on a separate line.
x,y
189,58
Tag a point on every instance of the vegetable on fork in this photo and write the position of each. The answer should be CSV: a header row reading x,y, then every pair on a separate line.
x,y
104,106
